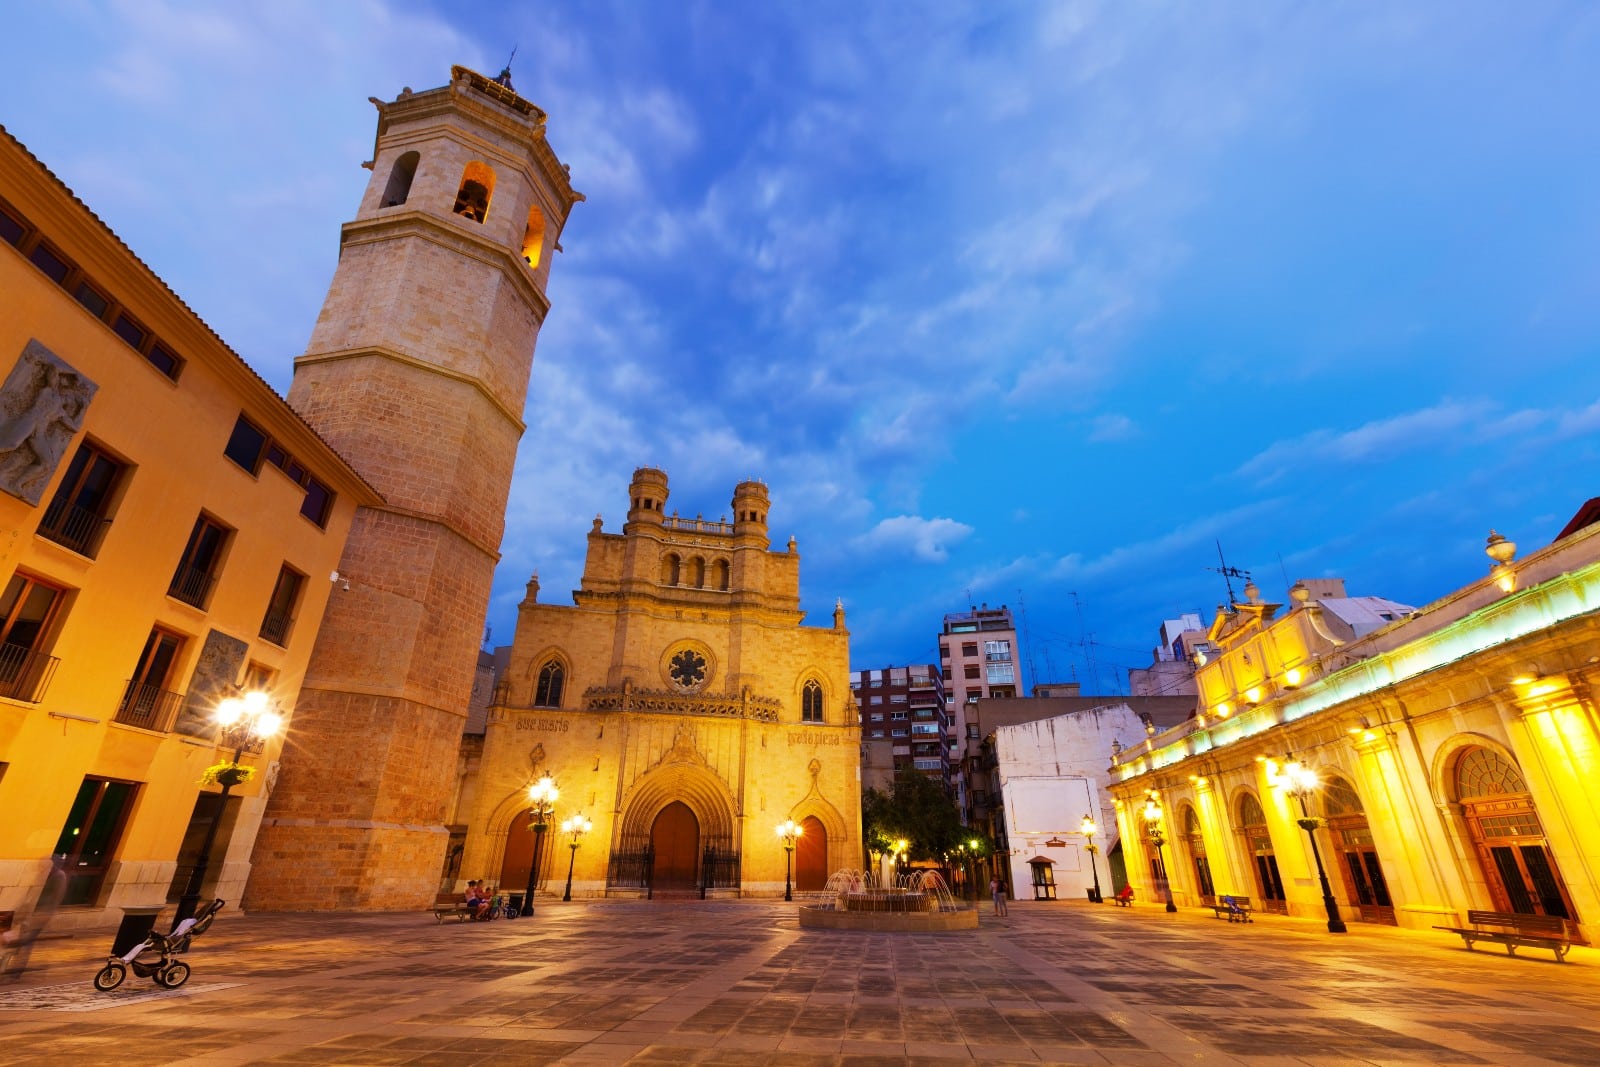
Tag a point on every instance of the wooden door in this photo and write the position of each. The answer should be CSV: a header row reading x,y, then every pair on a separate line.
x,y
811,856
675,837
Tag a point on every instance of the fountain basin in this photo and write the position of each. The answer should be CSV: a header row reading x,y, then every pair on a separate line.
x,y
916,922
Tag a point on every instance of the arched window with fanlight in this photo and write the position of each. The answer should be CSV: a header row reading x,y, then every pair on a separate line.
x,y
811,701
552,679
1352,840
1197,851
1258,846
1519,869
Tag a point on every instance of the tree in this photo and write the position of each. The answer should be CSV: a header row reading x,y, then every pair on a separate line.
x,y
915,808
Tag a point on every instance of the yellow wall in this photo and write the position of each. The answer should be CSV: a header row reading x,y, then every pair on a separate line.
x,y
171,434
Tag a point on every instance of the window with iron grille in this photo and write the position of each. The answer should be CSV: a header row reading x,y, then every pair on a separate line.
x,y
80,511
279,619
200,563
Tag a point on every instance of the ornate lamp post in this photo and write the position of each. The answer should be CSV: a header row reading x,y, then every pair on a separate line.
x,y
1152,826
1300,781
244,722
972,874
542,796
577,826
1089,829
789,831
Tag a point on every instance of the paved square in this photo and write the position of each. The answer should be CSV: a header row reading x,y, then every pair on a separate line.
x,y
739,983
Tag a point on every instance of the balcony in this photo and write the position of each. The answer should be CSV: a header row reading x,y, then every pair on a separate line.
x,y
73,527
276,626
24,673
192,586
147,706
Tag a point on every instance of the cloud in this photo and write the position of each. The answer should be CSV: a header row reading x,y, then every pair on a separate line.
x,y
925,539
1376,440
1112,427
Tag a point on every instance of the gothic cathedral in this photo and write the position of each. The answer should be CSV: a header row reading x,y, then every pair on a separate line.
x,y
682,710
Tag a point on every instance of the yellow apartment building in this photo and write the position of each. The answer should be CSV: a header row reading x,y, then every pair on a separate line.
x,y
682,709
168,526
1451,750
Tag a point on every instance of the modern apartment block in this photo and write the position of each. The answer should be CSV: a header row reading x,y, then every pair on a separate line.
x,y
905,723
978,658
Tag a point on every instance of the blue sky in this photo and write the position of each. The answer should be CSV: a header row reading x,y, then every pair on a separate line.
x,y
1008,303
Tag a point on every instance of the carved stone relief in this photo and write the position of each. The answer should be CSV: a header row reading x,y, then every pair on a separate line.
x,y
221,658
42,405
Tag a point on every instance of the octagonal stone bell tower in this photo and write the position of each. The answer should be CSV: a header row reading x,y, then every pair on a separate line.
x,y
417,373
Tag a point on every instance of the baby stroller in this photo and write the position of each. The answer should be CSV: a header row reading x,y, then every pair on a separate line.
x,y
154,957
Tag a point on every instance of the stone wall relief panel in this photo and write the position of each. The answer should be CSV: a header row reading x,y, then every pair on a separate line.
x,y
215,674
42,405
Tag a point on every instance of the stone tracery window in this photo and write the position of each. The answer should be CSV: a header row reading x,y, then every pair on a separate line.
x,y
1340,798
811,701
552,678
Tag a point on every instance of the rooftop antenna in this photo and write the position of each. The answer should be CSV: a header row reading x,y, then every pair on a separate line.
x,y
1228,574
1033,671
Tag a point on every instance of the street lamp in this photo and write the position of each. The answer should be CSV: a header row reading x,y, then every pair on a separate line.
x,y
1152,826
1089,829
577,826
972,843
244,722
542,796
788,831
1300,781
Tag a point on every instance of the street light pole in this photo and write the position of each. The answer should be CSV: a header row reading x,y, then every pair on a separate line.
x,y
542,796
1152,826
244,722
1089,830
789,830
577,826
1301,783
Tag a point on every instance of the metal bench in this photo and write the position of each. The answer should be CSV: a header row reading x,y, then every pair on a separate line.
x,y
1230,906
1514,930
1124,898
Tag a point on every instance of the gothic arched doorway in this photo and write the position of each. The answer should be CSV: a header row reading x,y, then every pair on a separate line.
x,y
1517,865
1352,838
519,854
811,856
1258,846
675,840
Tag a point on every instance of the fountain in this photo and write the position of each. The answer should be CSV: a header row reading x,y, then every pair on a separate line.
x,y
910,901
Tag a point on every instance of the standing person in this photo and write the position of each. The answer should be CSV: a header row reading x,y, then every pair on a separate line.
x,y
997,890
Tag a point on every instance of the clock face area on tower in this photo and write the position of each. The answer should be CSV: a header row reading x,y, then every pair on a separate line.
x,y
687,668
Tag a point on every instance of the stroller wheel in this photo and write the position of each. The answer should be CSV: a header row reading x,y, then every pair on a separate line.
x,y
110,976
173,974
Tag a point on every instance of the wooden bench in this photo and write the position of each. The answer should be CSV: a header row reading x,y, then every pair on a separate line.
x,y
1124,898
1230,906
1513,930
447,905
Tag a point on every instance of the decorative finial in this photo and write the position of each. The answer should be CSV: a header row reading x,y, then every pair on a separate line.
x,y
505,74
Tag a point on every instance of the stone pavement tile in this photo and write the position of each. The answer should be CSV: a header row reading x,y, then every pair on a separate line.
x,y
856,1047
825,1045
749,1042
926,1050
1000,1053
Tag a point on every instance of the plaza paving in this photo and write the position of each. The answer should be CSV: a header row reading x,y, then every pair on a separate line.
x,y
739,983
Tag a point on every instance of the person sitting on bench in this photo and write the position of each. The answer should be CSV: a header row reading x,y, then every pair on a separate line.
x,y
1126,895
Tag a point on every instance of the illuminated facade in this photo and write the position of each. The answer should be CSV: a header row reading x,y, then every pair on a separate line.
x,y
171,523
681,707
1452,749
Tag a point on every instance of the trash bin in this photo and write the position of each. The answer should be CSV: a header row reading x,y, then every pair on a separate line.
x,y
136,926
516,903
1094,895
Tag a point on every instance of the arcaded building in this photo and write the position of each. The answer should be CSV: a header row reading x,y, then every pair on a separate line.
x,y
682,707
1452,748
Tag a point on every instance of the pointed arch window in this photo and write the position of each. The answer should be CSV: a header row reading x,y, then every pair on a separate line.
x,y
552,678
400,178
811,701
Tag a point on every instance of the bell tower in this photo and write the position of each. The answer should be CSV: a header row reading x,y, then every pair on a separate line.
x,y
417,373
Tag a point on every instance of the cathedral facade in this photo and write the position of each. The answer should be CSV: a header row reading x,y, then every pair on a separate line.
x,y
681,709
